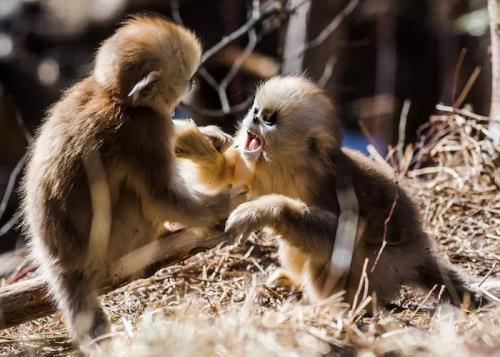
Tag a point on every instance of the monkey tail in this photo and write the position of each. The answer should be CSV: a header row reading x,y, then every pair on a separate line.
x,y
100,197
458,287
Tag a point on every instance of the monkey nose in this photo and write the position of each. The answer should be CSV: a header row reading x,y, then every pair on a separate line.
x,y
255,120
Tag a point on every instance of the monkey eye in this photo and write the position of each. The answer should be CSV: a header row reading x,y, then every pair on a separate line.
x,y
271,118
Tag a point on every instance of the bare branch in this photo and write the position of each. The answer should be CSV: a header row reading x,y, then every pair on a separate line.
x,y
176,14
252,42
237,108
10,187
328,71
270,10
13,178
27,300
386,227
327,31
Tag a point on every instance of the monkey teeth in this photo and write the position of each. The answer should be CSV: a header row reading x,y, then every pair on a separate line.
x,y
253,142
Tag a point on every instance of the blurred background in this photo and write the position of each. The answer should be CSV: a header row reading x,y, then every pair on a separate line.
x,y
380,60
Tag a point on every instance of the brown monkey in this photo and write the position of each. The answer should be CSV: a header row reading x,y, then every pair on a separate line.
x,y
101,178
291,134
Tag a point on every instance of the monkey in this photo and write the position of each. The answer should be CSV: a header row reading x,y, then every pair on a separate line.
x,y
101,178
292,137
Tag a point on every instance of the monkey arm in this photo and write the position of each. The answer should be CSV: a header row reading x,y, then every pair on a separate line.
x,y
204,146
196,209
307,228
176,202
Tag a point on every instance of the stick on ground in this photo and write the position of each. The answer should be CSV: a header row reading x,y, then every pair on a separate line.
x,y
28,300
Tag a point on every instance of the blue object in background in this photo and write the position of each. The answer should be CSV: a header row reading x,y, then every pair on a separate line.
x,y
353,139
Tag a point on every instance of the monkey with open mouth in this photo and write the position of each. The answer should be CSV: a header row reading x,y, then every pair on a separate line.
x,y
288,149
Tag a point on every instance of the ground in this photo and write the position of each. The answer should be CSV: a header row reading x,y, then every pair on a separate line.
x,y
217,304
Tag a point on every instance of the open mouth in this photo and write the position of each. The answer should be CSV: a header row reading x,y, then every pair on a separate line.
x,y
253,142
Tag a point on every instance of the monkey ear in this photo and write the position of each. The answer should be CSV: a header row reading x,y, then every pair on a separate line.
x,y
144,85
320,142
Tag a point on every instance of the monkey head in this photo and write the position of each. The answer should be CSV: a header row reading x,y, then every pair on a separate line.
x,y
149,61
290,116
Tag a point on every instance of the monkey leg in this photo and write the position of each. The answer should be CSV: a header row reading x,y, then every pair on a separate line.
x,y
76,296
281,278
292,262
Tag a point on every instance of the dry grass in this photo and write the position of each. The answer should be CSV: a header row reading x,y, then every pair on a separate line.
x,y
216,304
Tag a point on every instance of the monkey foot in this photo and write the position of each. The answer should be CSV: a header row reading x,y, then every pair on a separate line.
x,y
281,279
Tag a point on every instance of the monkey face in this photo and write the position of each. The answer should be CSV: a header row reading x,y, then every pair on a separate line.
x,y
290,116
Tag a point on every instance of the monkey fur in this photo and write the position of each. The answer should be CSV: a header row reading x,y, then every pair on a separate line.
x,y
290,139
101,178
217,162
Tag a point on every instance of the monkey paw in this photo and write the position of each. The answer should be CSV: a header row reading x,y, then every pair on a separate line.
x,y
281,279
221,140
254,215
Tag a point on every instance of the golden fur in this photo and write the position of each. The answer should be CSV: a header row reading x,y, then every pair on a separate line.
x,y
105,150
297,168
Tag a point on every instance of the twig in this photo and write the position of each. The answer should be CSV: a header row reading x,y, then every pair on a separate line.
x,y
463,112
421,304
274,293
176,14
363,280
456,73
9,224
490,295
13,178
402,128
380,160
221,88
487,274
273,9
11,184
470,82
237,108
252,42
327,71
328,30
386,227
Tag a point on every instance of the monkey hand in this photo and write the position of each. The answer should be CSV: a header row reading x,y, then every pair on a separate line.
x,y
221,140
199,143
191,143
270,210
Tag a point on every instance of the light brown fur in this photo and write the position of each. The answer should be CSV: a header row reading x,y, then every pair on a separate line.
x,y
105,150
217,161
294,190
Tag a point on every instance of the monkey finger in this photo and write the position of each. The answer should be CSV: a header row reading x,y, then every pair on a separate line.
x,y
220,139
235,227
243,221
